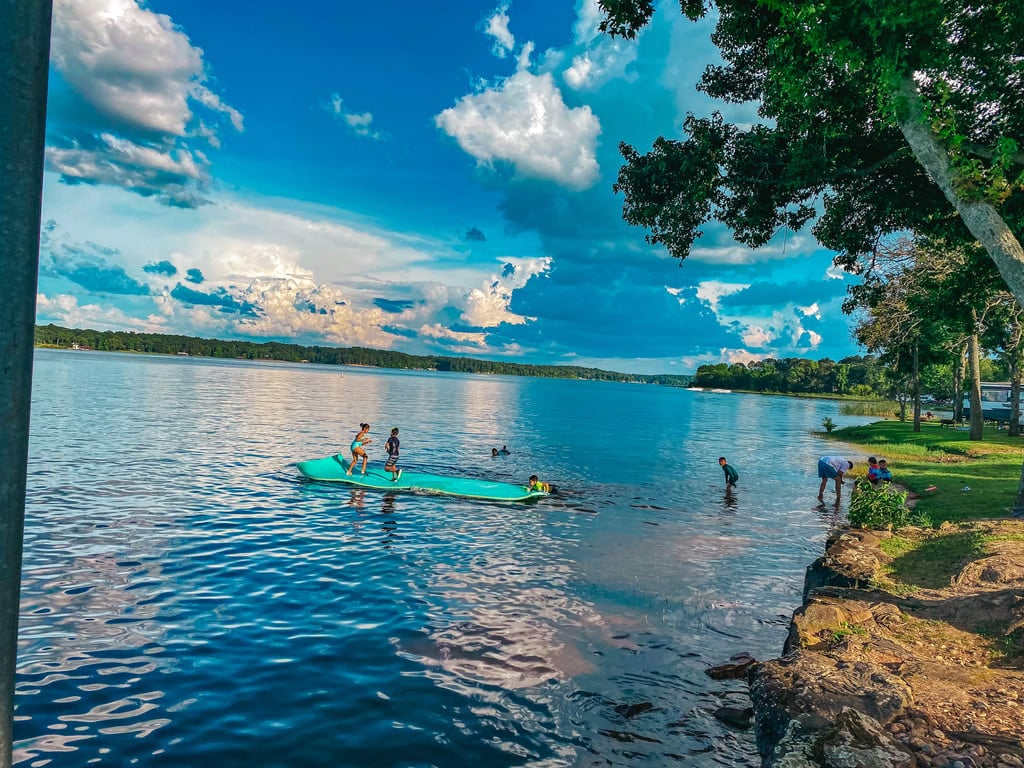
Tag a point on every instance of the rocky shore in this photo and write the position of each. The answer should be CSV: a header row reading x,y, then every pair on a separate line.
x,y
902,660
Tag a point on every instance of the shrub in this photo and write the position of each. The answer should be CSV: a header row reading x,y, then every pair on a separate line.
x,y
872,507
828,424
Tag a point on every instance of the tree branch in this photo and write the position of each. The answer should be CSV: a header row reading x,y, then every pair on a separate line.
x,y
980,217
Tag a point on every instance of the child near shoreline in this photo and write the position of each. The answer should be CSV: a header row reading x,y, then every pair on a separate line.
x,y
832,468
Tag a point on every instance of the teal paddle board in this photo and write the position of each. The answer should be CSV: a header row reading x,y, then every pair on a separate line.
x,y
332,469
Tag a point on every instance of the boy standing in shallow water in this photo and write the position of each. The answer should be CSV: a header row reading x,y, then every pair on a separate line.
x,y
731,475
392,463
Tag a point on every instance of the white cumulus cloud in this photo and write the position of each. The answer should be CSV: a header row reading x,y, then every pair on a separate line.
x,y
308,273
812,311
142,79
600,58
783,246
288,308
756,336
523,120
497,27
360,123
166,174
744,356
488,307
64,309
713,290
438,331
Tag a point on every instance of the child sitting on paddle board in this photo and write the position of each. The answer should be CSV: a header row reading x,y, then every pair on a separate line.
x,y
357,448
392,448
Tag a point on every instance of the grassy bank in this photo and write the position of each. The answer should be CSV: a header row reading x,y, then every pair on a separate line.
x,y
946,459
930,559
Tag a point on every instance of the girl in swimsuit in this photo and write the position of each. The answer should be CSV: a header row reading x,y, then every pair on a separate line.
x,y
357,448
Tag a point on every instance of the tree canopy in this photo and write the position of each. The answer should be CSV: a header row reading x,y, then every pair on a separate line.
x,y
877,117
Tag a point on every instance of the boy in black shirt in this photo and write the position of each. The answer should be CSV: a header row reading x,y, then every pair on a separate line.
x,y
392,463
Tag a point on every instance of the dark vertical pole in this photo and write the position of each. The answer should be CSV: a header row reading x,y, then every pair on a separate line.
x,y
974,364
916,386
24,66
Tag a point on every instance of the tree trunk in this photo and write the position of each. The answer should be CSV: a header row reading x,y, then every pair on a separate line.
x,y
958,387
1018,503
980,217
1014,429
974,363
916,387
1013,357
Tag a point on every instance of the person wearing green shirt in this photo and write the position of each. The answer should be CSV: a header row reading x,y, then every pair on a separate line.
x,y
731,475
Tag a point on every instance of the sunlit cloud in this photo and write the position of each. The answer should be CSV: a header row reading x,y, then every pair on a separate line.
x,y
134,84
360,123
523,120
497,27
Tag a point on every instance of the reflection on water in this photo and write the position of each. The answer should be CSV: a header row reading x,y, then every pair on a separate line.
x,y
188,600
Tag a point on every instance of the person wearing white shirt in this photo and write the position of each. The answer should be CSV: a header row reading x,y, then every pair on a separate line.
x,y
832,468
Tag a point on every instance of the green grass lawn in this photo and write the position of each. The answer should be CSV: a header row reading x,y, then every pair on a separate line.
x,y
946,459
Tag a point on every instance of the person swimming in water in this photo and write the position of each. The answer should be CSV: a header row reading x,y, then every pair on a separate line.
x,y
357,448
536,485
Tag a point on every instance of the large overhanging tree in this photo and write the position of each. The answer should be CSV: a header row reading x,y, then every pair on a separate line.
x,y
878,117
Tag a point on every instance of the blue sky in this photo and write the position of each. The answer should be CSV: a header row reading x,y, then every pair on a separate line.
x,y
384,175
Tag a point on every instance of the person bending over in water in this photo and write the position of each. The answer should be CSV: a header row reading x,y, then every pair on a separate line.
x,y
731,475
357,448
392,463
505,451
832,468
537,485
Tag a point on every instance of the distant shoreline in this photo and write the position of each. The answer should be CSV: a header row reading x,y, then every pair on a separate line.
x,y
56,337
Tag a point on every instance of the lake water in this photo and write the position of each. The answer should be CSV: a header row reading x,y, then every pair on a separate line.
x,y
189,600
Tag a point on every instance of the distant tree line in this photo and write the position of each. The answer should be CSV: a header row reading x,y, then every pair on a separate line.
x,y
158,343
867,376
860,376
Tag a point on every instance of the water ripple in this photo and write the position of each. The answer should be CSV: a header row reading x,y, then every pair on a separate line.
x,y
188,600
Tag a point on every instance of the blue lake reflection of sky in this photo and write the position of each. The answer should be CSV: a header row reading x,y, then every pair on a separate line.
x,y
188,600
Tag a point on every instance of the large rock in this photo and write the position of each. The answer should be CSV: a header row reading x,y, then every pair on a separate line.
x,y
850,560
816,622
852,740
797,697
